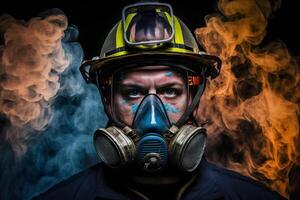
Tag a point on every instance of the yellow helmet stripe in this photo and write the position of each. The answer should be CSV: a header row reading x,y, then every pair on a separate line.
x,y
129,19
178,37
168,17
119,36
170,50
178,50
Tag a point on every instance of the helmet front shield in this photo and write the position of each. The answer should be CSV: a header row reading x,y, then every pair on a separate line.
x,y
149,24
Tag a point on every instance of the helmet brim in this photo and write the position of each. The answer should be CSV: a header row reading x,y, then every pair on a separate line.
x,y
208,64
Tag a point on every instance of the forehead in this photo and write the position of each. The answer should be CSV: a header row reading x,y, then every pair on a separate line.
x,y
162,73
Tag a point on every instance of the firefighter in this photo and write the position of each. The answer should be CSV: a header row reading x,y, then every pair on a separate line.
x,y
151,75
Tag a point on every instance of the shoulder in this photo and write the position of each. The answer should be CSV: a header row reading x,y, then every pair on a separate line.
x,y
84,181
223,183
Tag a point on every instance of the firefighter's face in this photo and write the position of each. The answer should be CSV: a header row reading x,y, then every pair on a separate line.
x,y
131,87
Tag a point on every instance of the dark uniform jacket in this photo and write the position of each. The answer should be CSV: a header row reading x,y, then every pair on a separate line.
x,y
212,183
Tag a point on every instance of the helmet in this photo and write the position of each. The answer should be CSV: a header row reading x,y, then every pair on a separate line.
x,y
119,51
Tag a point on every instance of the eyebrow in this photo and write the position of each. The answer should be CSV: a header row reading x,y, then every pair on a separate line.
x,y
142,87
125,87
170,85
130,85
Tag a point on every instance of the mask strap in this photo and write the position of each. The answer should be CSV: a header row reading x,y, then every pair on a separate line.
x,y
190,109
109,115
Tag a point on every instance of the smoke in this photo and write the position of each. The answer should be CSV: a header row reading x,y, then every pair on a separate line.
x,y
47,113
254,104
31,60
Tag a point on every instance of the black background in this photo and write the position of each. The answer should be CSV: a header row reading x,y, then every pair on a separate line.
x,y
95,18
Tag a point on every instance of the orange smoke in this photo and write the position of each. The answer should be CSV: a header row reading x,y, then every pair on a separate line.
x,y
254,104
32,58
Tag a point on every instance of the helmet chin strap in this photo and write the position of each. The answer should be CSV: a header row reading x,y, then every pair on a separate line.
x,y
183,119
109,114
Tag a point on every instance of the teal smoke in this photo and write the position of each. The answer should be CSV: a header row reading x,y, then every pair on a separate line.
x,y
65,146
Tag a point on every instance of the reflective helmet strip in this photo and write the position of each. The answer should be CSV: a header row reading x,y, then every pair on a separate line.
x,y
168,17
128,19
119,36
178,38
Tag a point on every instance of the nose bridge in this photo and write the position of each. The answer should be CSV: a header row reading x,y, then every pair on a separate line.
x,y
152,89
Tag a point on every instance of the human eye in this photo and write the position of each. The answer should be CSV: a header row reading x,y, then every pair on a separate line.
x,y
171,92
132,93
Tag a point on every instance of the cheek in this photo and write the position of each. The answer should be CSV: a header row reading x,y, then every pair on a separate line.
x,y
124,111
172,109
133,108
175,110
